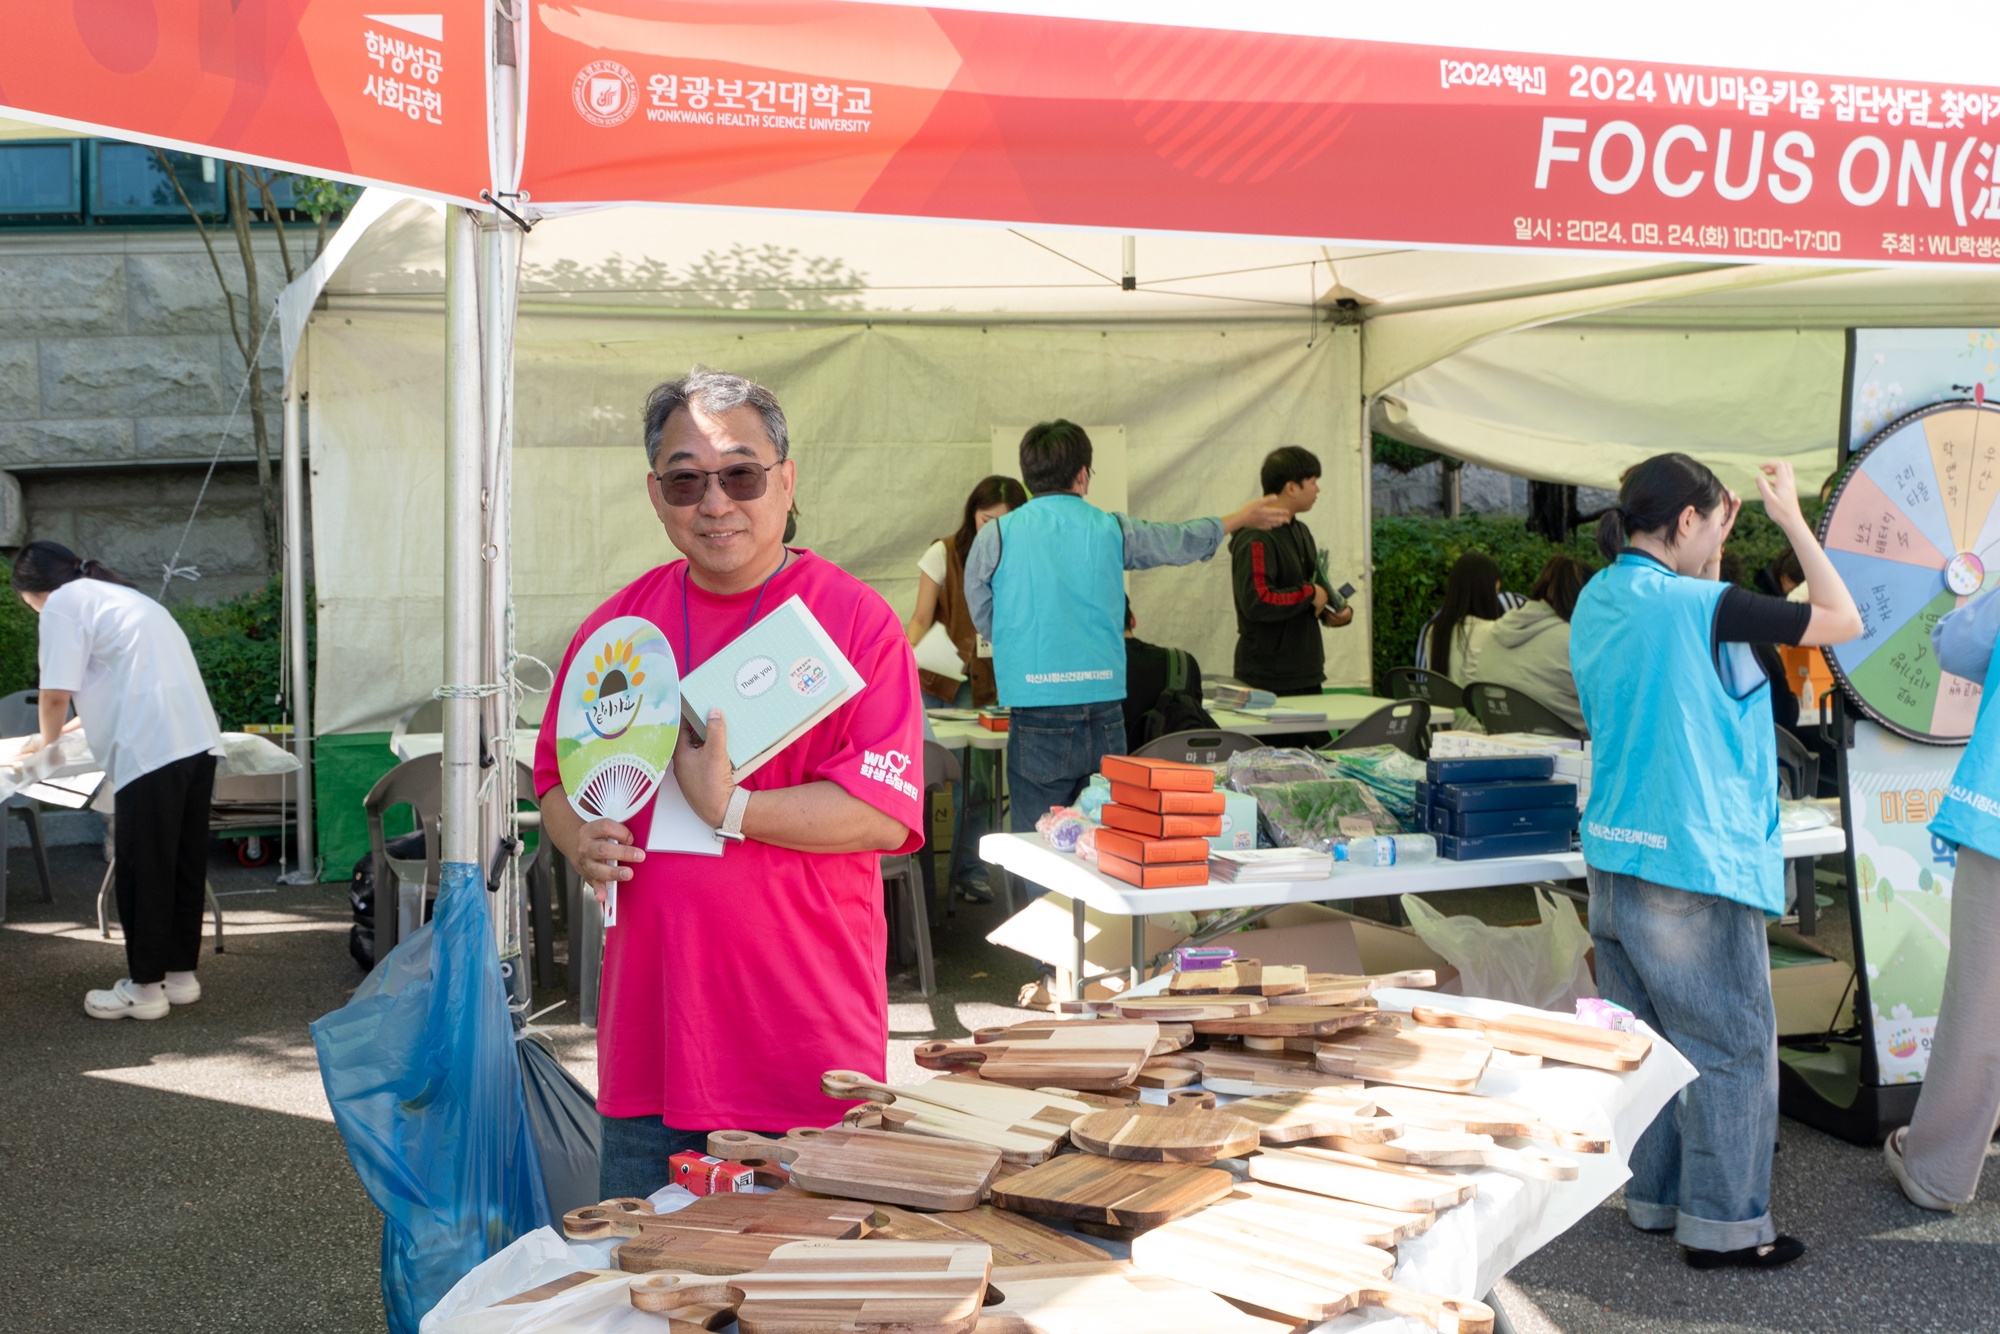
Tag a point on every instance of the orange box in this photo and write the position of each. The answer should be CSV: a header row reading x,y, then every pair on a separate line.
x,y
1156,825
1167,801
993,722
1166,876
1151,851
1806,674
703,1174
1172,775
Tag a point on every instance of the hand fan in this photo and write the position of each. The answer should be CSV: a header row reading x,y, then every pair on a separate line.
x,y
617,719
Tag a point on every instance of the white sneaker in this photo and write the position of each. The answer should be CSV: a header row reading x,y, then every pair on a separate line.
x,y
186,994
122,1001
1892,1153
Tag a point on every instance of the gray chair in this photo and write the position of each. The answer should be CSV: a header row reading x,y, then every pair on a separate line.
x,y
1501,709
418,784
1798,768
901,872
20,714
423,716
1433,688
1199,747
213,905
1404,725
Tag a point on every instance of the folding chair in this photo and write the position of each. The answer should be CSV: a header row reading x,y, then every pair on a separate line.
x,y
1404,725
1434,689
1501,709
1199,747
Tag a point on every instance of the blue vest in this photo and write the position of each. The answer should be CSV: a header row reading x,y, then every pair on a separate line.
x,y
1969,815
1683,786
1059,604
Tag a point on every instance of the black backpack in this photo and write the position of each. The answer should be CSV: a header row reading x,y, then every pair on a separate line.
x,y
1175,710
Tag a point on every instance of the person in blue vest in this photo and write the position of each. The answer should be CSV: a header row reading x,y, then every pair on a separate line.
x,y
1937,1157
1681,833
1046,584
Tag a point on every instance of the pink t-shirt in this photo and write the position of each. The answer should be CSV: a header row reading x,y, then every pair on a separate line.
x,y
731,983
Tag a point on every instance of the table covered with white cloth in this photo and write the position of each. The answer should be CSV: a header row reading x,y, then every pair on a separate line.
x,y
55,767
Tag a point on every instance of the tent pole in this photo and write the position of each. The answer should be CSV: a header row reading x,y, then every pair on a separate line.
x,y
459,840
298,614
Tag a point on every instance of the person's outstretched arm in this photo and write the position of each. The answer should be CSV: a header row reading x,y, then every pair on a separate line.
x,y
1835,618
1149,544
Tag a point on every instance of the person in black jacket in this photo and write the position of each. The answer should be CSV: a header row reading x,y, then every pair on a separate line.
x,y
1156,702
1281,600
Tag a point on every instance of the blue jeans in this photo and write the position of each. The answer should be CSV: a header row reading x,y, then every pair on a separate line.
x,y
969,796
1052,752
1698,969
633,1151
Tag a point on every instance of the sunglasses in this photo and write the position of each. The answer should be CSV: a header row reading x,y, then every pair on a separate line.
x,y
739,481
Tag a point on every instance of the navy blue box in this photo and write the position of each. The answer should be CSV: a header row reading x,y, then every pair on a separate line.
x,y
1487,847
1490,768
1518,796
1478,824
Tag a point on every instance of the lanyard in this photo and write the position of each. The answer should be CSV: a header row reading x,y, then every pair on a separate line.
x,y
687,633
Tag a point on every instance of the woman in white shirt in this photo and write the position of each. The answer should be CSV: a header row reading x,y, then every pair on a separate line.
x,y
126,665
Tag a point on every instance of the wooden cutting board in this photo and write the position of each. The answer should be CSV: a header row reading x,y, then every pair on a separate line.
x,y
1244,1240
1238,1071
1113,1298
1240,977
1417,1190
1382,1227
1452,1148
1187,1134
1114,1191
880,1166
1172,1036
1308,1282
1071,1056
1428,1058
1016,1240
1555,1039
1182,1009
1294,1021
1287,1118
1024,1125
1476,1115
863,1287
717,1234
1347,988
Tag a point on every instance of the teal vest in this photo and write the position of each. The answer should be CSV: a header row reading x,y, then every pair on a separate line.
x,y
1059,604
1683,784
1969,815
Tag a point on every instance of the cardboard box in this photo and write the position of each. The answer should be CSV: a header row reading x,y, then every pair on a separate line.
x,y
1164,875
1166,801
1147,771
1134,821
702,1174
1149,851
1811,997
1326,940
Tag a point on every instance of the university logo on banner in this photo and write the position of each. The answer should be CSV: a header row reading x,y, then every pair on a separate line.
x,y
605,93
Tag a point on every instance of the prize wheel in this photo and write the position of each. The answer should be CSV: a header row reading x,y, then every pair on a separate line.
x,y
1913,530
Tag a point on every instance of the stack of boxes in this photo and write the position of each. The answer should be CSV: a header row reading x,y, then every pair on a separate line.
x,y
1158,823
1499,806
1572,757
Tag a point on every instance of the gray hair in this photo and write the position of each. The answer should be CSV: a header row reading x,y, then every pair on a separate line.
x,y
714,392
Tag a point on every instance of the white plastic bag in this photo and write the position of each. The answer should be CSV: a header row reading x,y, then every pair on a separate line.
x,y
1542,965
531,1260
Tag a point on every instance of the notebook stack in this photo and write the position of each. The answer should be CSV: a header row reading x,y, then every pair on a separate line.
x,y
1239,697
1498,806
1158,822
1267,866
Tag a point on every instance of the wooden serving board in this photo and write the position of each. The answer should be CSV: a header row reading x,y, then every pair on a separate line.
x,y
1172,1036
1238,1071
864,1287
1555,1039
880,1166
1294,1021
1275,1273
1071,1056
1476,1115
1182,1009
1114,1191
1187,1134
1417,1190
1310,1215
717,1234
1427,1058
1016,1240
1452,1148
1113,1298
1240,977
1287,1118
1025,1126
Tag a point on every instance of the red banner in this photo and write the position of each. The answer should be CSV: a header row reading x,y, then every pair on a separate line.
x,y
957,114
318,86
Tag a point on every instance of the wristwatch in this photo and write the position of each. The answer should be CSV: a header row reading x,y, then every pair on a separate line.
x,y
732,818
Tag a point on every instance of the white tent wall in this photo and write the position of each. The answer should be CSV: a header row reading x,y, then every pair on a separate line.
x,y
891,427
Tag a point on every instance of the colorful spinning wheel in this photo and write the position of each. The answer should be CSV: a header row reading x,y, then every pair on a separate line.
x,y
1913,530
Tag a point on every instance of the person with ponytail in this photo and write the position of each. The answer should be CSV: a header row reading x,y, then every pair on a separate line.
x,y
1681,837
126,666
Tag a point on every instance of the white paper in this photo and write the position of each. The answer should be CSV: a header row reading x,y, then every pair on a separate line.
x,y
937,654
676,828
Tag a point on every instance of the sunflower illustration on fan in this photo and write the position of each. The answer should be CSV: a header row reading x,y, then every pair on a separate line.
x,y
618,719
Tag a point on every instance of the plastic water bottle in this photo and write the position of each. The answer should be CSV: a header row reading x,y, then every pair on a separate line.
x,y
1388,850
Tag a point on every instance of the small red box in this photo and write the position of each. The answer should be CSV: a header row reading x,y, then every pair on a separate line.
x,y
993,722
1168,802
1146,771
702,1174
1151,851
1165,876
1135,821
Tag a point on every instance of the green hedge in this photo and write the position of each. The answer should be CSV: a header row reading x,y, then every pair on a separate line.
x,y
1415,553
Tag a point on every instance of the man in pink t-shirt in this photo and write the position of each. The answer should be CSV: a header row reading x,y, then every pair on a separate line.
x,y
730,983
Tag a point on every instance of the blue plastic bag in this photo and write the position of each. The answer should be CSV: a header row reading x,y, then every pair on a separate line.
x,y
425,1085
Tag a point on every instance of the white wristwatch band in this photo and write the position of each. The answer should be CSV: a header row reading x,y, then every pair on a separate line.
x,y
732,818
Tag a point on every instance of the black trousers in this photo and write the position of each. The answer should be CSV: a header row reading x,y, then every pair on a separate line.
x,y
161,837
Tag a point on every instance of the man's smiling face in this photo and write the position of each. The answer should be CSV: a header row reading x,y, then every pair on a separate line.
x,y
730,543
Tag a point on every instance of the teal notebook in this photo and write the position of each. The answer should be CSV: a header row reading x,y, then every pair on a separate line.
x,y
773,683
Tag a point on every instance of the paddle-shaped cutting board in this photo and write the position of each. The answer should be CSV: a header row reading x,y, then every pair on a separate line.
x,y
1270,1271
1427,1058
1417,1190
1016,1241
1476,1115
1374,1225
1114,1191
1452,1148
1347,988
1240,977
1231,1235
1113,1298
1073,1056
1165,1135
717,1234
881,1166
855,1287
1551,1038
1181,1009
1025,1126
1293,1021
1172,1036
1235,1071
1287,1118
